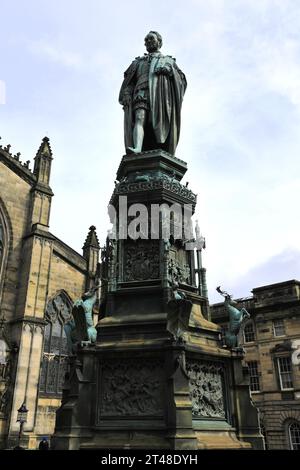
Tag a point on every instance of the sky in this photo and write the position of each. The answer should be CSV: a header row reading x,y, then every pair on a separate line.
x,y
62,65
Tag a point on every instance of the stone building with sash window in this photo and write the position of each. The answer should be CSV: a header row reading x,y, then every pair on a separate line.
x,y
271,338
40,277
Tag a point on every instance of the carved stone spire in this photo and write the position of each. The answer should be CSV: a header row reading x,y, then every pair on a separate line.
x,y
91,239
91,249
42,162
41,193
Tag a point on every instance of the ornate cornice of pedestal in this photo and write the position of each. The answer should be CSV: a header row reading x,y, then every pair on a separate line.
x,y
155,172
154,184
152,159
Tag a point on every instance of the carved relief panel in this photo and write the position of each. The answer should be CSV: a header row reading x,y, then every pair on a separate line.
x,y
131,388
141,260
178,266
207,389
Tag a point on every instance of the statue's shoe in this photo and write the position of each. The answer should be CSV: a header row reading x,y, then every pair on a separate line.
x,y
132,150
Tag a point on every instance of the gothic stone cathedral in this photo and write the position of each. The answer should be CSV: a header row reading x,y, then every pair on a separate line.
x,y
40,277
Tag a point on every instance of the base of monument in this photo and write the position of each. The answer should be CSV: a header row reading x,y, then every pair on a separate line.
x,y
217,440
133,392
197,441
158,376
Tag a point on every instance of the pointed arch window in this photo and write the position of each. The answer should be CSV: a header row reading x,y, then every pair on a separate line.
x,y
55,355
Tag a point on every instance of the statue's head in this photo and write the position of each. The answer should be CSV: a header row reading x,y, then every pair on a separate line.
x,y
153,41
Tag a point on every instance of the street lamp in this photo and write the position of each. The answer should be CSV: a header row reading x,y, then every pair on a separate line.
x,y
22,418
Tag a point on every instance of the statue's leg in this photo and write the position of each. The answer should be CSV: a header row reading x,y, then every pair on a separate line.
x,y
138,130
92,334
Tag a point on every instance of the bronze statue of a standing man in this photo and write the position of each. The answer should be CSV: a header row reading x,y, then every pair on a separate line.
x,y
151,95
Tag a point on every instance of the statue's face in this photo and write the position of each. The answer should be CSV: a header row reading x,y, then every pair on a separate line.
x,y
151,42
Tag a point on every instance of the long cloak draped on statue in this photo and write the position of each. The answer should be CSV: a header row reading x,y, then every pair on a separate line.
x,y
165,95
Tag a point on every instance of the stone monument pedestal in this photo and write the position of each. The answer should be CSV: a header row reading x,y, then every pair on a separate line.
x,y
158,376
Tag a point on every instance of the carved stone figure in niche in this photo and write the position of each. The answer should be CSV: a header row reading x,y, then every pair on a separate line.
x,y
152,94
236,317
206,389
177,272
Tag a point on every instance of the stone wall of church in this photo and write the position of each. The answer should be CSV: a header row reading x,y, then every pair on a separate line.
x,y
15,204
66,276
38,267
54,275
45,420
69,279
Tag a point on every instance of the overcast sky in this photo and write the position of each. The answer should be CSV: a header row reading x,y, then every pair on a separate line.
x,y
62,62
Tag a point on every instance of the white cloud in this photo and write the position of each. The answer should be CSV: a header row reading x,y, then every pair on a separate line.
x,y
55,53
280,69
2,92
